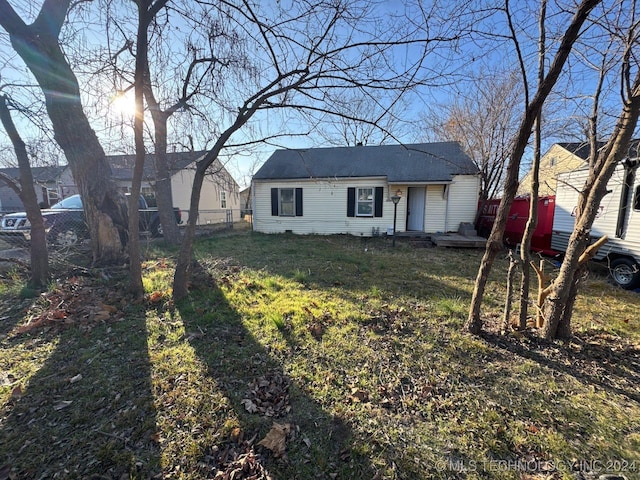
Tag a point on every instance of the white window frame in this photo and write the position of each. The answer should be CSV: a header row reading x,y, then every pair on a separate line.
x,y
223,199
365,202
281,204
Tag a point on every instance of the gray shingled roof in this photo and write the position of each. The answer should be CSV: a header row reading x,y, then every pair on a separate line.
x,y
40,174
582,149
122,165
423,162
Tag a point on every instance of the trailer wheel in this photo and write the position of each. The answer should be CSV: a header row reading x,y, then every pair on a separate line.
x,y
156,229
625,272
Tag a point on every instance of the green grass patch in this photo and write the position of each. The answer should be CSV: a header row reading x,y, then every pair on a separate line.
x,y
355,347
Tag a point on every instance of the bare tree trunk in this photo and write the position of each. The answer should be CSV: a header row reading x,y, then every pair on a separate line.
x,y
135,265
558,317
164,196
26,192
37,44
494,243
183,264
506,319
532,221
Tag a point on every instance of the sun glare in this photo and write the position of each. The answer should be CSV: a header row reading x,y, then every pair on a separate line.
x,y
123,104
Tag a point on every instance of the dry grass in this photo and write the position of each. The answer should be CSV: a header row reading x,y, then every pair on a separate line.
x,y
354,348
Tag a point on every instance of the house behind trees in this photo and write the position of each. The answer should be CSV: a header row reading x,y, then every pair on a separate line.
x,y
220,197
350,190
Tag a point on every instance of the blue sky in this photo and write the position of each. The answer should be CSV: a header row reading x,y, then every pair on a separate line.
x,y
446,72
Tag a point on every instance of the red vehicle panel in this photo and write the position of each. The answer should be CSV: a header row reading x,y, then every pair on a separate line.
x,y
517,221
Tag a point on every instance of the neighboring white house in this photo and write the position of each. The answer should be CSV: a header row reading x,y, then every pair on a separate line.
x,y
348,190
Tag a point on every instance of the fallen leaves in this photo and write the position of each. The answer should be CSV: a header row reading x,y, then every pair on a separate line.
x,y
268,395
62,404
16,393
276,439
73,301
246,467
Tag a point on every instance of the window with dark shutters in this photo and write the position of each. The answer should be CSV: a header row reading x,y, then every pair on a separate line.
x,y
351,202
298,202
286,202
378,201
274,202
365,202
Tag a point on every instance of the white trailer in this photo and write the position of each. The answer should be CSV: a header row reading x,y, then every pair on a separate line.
x,y
618,218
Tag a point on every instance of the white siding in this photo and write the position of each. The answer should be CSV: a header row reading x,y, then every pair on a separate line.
x,y
463,201
325,208
435,210
606,221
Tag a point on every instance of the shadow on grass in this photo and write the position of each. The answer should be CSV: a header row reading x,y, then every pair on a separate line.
x,y
614,370
320,445
88,411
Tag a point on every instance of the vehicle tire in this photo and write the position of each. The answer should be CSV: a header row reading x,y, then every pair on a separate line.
x,y
625,272
157,230
65,237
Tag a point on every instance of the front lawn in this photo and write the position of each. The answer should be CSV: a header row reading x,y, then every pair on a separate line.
x,y
311,357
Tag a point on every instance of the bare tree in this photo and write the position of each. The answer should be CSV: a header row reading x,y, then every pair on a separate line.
x,y
483,120
362,121
532,221
26,191
303,58
561,294
532,111
39,47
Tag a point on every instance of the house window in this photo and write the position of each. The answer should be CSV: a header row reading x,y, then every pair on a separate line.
x,y
364,202
223,199
553,161
286,202
52,196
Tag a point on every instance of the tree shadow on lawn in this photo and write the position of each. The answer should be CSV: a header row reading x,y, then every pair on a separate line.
x,y
88,411
615,368
319,444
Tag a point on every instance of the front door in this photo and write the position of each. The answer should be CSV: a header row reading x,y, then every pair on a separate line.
x,y
415,208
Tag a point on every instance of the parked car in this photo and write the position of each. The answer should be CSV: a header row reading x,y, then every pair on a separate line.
x,y
65,223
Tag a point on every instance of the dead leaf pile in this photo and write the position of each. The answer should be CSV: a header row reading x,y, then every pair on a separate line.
x,y
268,395
73,301
389,319
235,460
246,467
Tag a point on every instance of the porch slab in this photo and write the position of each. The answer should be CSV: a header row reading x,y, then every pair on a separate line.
x,y
457,240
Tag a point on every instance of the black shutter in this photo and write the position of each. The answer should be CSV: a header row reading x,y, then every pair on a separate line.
x,y
274,202
351,202
377,202
298,202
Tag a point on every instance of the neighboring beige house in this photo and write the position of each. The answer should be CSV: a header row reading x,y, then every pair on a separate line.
x,y
349,190
219,199
220,195
560,158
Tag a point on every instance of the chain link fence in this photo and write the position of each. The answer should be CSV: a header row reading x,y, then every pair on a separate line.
x,y
67,229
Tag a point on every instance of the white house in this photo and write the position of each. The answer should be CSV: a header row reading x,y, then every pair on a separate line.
x,y
349,190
